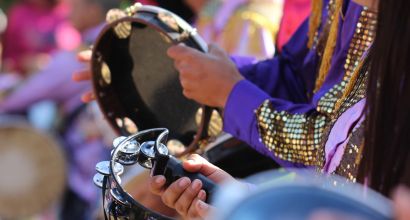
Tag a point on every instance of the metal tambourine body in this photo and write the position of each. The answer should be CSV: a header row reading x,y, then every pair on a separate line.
x,y
135,82
118,204
146,148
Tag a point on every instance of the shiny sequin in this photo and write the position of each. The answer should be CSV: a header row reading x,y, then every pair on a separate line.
x,y
299,138
361,41
291,137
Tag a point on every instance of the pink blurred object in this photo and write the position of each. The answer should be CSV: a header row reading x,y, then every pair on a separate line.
x,y
67,37
147,2
295,12
30,31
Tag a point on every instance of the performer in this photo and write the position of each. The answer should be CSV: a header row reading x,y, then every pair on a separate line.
x,y
293,103
294,13
31,33
280,106
386,127
256,22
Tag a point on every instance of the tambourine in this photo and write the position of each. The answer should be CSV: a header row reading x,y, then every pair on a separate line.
x,y
146,148
32,168
135,82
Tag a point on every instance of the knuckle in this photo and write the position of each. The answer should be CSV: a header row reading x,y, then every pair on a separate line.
x,y
192,214
180,208
164,200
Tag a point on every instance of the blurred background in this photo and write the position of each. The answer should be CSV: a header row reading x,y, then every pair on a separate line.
x,y
41,112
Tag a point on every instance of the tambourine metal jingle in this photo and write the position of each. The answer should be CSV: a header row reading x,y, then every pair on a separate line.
x,y
128,154
135,82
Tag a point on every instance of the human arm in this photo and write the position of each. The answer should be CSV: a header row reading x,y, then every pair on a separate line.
x,y
52,83
84,75
212,79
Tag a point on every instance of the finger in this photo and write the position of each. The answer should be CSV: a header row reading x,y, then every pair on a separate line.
x,y
185,200
82,75
186,70
203,209
88,97
202,195
84,56
192,212
196,163
182,52
174,191
189,94
186,84
183,66
156,184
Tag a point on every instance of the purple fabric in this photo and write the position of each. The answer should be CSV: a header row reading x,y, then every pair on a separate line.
x,y
52,83
287,80
9,81
339,135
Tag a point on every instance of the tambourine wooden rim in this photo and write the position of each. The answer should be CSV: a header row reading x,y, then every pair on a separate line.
x,y
104,93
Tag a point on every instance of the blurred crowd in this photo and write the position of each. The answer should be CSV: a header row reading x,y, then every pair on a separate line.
x,y
39,43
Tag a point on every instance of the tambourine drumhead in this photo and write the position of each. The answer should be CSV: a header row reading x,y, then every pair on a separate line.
x,y
134,79
32,171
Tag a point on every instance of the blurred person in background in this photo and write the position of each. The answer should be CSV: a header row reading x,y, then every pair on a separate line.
x,y
294,13
79,127
31,34
241,27
249,27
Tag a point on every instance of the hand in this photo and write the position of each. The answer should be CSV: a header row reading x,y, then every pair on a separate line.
x,y
186,196
205,78
84,75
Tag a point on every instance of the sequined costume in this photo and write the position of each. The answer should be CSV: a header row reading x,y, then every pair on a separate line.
x,y
242,27
276,110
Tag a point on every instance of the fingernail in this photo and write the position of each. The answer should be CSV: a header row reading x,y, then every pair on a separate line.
x,y
159,179
202,205
196,185
202,195
184,182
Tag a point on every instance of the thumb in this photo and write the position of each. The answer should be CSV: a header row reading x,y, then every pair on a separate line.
x,y
216,50
198,164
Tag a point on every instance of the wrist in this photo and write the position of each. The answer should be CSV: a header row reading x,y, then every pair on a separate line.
x,y
228,89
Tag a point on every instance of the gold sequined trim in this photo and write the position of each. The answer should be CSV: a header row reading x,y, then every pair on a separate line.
x,y
291,137
361,41
352,157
